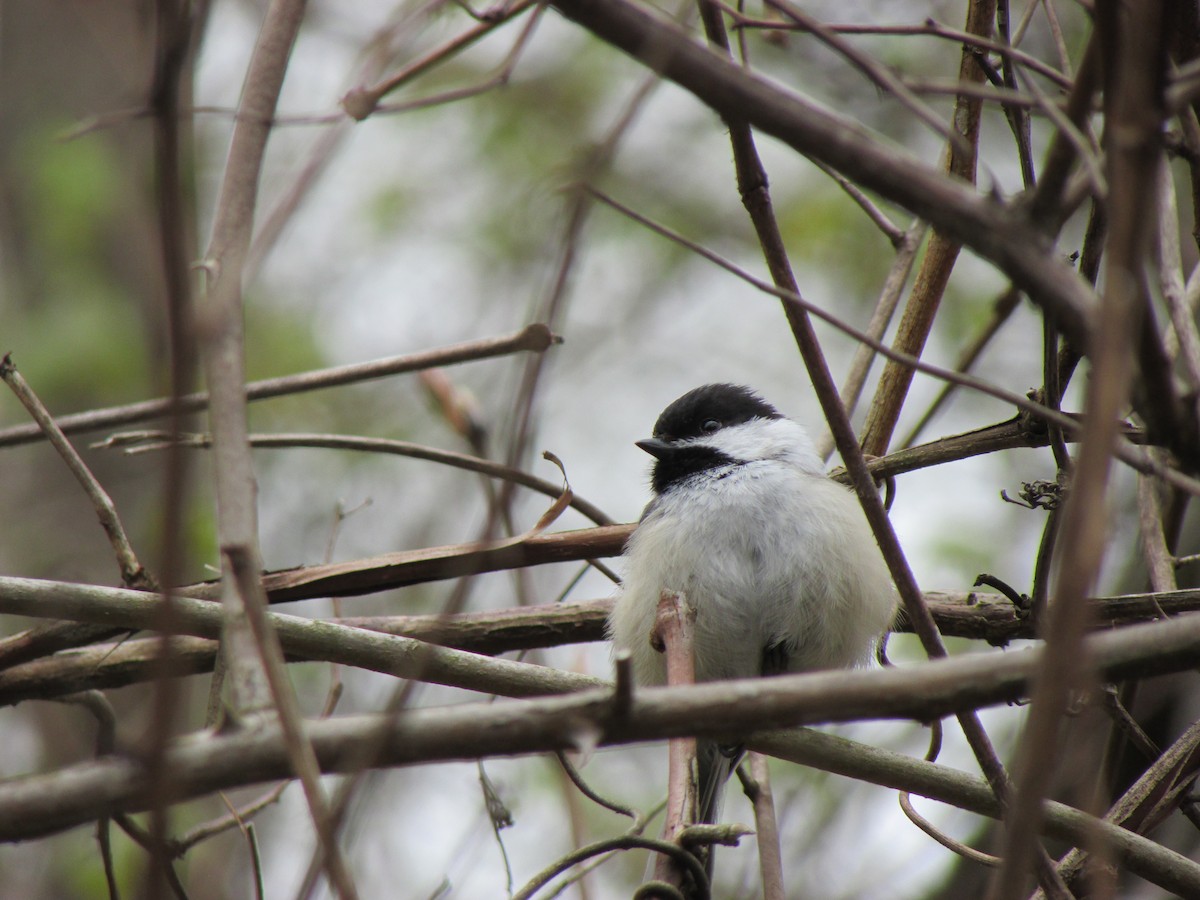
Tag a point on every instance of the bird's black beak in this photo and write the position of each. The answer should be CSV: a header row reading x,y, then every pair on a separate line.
x,y
656,448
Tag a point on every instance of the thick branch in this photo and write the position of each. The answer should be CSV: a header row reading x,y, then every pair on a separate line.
x,y
307,638
41,804
966,615
865,157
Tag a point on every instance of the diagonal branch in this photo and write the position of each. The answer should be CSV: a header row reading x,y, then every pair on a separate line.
x,y
133,573
993,231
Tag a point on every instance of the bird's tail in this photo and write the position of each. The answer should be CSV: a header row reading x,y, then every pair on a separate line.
x,y
714,763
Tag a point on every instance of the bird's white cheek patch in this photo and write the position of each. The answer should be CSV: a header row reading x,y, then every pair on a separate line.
x,y
780,439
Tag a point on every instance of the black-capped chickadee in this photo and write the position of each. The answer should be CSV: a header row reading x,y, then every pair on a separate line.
x,y
776,559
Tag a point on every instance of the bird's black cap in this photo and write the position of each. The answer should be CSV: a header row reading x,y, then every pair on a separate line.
x,y
701,411
726,404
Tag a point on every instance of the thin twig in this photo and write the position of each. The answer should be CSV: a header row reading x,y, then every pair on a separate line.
x,y
882,76
896,236
929,28
958,847
360,102
144,441
585,789
1002,309
1056,32
885,308
757,785
1126,453
106,732
133,574
534,338
1018,118
1075,136
1127,725
236,818
624,842
1007,99
638,826
553,304
301,756
1169,265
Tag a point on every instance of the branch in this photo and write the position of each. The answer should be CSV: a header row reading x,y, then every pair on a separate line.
x,y
1166,868
307,638
533,338
972,615
133,573
409,567
41,804
145,441
675,628
991,230
1133,99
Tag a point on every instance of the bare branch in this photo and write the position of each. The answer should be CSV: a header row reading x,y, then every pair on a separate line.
x,y
132,572
533,338
975,616
995,233
142,441
40,804
941,252
1135,109
309,638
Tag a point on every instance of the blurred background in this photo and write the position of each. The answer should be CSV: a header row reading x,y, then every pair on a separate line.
x,y
444,223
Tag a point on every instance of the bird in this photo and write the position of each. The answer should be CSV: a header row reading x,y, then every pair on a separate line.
x,y
776,559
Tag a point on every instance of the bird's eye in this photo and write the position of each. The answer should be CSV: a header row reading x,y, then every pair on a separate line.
x,y
708,426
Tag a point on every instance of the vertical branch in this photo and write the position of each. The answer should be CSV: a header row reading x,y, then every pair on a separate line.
x,y
177,32
757,785
1018,118
249,650
1134,74
1159,563
300,751
1169,260
940,255
1047,199
907,246
674,628
221,330
752,183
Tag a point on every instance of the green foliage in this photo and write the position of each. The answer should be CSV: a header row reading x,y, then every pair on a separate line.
x,y
82,872
391,206
279,340
826,230
73,188
77,334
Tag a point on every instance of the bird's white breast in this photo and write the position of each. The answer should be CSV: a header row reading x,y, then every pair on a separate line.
x,y
766,552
